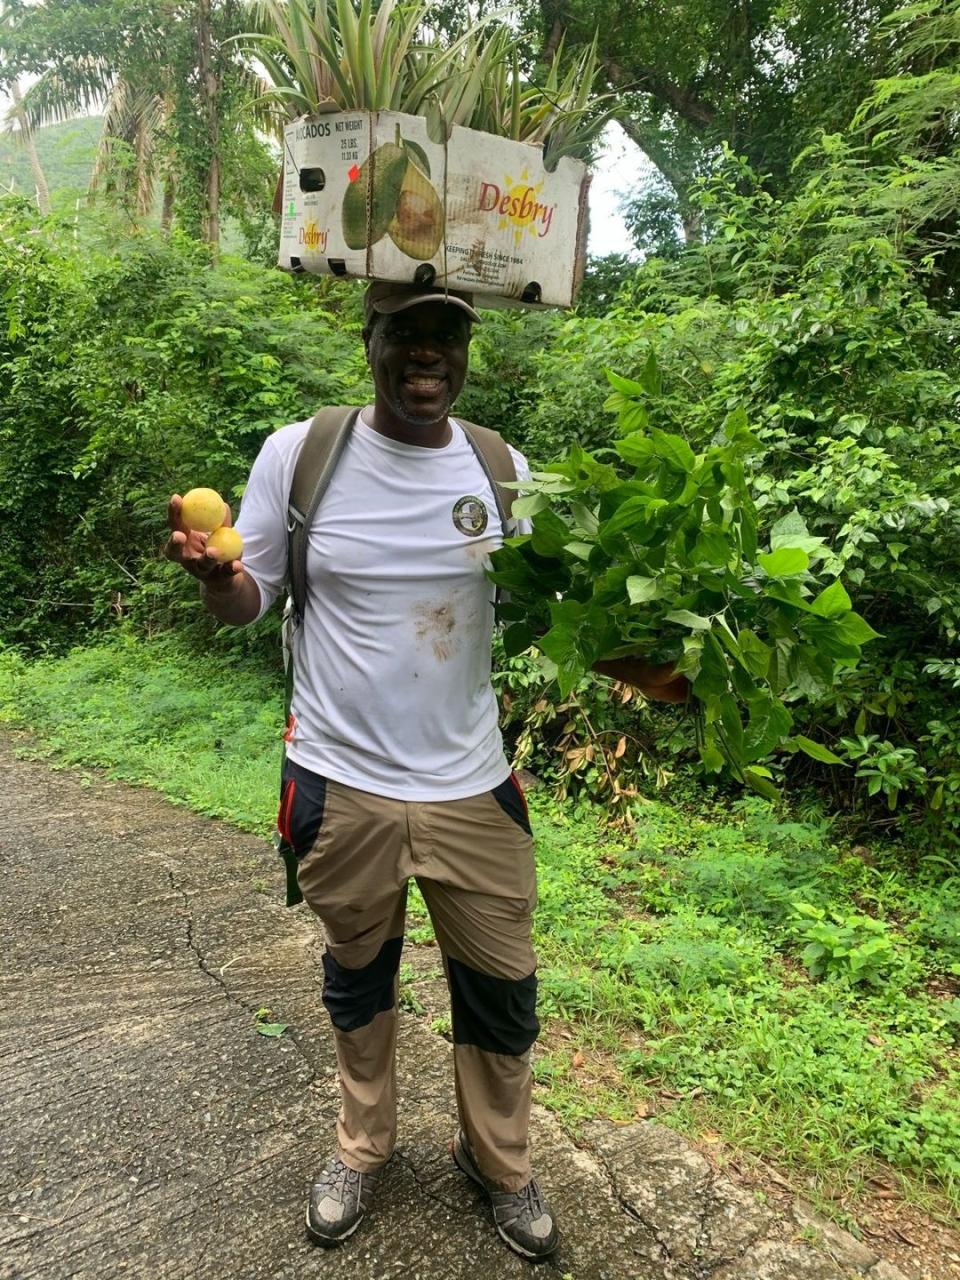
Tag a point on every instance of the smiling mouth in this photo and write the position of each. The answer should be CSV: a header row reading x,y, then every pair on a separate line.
x,y
420,382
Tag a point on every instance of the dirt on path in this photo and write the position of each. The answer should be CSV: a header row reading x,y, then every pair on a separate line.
x,y
148,1130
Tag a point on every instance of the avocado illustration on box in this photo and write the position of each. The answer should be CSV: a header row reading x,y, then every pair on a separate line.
x,y
394,182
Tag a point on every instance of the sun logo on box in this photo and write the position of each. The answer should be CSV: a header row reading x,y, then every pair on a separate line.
x,y
518,206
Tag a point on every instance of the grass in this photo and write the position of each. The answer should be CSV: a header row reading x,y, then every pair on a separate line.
x,y
676,968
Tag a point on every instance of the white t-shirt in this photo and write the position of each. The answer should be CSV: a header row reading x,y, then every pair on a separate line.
x,y
392,689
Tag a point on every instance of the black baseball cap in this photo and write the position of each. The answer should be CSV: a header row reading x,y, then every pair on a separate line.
x,y
389,296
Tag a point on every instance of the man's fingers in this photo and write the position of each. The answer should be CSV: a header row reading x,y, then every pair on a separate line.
x,y
188,547
174,510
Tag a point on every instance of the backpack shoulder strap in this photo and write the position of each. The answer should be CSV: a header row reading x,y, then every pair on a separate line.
x,y
496,459
326,440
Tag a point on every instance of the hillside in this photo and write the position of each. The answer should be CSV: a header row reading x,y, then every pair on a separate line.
x,y
66,153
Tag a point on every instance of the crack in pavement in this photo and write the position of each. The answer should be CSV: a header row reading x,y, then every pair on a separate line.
x,y
626,1206
219,980
704,1235
422,1186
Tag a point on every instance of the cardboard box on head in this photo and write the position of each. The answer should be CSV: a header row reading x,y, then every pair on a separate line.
x,y
371,194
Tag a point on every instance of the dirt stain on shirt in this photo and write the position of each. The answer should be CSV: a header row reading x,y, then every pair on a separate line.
x,y
479,552
436,625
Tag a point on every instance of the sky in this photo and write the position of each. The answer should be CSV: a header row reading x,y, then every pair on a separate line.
x,y
619,168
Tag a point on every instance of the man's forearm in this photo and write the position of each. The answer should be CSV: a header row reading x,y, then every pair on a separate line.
x,y
234,600
657,680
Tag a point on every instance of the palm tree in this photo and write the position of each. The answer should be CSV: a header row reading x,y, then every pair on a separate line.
x,y
18,118
75,81
25,134
135,65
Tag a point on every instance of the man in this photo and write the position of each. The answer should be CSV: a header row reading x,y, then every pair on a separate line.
x,y
395,766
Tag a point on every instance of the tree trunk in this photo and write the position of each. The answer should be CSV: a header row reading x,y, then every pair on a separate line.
x,y
209,90
692,226
166,211
26,133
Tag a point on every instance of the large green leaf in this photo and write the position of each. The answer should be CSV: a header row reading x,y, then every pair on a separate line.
x,y
517,638
524,508
640,589
855,629
784,561
756,655
769,723
673,449
626,386
695,621
791,531
832,601
550,533
816,750
635,449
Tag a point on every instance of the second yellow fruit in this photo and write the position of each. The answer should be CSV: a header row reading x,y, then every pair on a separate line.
x,y
226,542
203,510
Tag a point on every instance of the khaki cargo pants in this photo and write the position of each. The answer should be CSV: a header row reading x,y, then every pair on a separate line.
x,y
473,861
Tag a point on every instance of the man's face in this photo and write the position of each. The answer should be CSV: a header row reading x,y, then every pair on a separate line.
x,y
418,358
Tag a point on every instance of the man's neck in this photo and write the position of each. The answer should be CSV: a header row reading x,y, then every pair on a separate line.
x,y
431,435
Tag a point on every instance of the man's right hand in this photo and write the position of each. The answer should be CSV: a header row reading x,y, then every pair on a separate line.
x,y
226,590
188,548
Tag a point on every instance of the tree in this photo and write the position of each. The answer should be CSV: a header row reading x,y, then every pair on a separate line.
x,y
26,137
911,120
173,88
758,75
23,126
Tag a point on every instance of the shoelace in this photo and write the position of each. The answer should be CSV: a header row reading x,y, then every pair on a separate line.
x,y
531,1202
339,1178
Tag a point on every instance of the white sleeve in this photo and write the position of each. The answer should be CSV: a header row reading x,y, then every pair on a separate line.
x,y
523,473
262,523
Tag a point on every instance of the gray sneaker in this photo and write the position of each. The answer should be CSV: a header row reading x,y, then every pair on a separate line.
x,y
522,1218
338,1200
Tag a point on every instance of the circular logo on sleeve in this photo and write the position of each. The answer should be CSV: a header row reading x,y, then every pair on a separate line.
x,y
470,516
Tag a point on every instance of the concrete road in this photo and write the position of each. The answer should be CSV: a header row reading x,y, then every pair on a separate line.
x,y
147,1130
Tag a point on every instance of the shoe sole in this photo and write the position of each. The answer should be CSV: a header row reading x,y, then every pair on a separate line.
x,y
329,1242
463,1161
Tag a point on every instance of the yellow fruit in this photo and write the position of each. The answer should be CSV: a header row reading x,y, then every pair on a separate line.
x,y
202,510
226,542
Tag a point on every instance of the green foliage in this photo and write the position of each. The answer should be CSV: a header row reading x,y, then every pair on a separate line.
x,y
910,119
175,102
601,282
143,712
661,558
602,742
810,313
125,377
695,75
856,948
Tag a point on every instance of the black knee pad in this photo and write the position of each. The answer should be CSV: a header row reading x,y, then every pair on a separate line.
x,y
354,997
498,1015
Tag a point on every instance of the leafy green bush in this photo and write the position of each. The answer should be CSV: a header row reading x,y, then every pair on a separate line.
x,y
854,947
810,314
130,370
